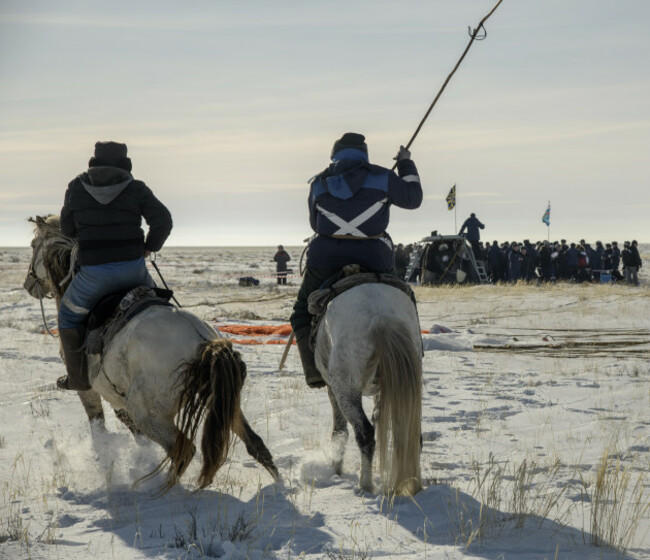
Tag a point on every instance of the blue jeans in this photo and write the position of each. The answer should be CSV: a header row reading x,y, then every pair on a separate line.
x,y
92,283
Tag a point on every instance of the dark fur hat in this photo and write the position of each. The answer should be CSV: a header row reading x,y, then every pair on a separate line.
x,y
350,140
110,154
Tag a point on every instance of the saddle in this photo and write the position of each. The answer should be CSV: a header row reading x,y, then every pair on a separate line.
x,y
350,276
114,311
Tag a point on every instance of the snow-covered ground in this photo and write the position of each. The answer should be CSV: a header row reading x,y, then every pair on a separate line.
x,y
536,434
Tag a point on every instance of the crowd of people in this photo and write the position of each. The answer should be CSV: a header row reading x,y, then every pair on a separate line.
x,y
548,261
559,260
543,261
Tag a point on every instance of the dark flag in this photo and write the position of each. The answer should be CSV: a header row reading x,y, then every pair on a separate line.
x,y
451,198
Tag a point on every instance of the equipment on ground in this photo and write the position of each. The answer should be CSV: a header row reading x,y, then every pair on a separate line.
x,y
445,259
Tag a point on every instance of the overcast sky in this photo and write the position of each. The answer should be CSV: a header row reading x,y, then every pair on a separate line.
x,y
228,108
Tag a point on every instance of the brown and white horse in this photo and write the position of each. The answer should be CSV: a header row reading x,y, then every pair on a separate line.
x,y
164,364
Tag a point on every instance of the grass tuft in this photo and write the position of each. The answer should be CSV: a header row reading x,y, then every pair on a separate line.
x,y
619,501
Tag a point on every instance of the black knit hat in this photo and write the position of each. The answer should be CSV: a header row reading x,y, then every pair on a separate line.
x,y
110,154
350,140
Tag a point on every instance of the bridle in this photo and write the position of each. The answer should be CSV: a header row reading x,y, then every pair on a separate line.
x,y
33,283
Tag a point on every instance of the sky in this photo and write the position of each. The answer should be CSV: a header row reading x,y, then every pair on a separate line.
x,y
228,108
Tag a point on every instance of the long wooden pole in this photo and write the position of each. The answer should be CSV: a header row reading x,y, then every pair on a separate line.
x,y
472,36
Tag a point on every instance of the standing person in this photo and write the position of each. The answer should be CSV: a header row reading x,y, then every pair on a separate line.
x,y
103,211
628,263
515,261
505,253
494,258
583,264
636,262
592,257
349,209
597,263
572,262
608,257
473,225
559,261
546,262
528,263
616,256
281,259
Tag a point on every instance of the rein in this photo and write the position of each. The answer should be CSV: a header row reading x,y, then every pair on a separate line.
x,y
73,261
31,273
40,299
152,260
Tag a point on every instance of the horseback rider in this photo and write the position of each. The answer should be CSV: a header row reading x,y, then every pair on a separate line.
x,y
103,210
349,205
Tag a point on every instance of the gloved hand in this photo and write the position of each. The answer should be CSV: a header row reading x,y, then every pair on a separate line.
x,y
402,154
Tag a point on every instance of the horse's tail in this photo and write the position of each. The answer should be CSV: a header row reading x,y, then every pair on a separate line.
x,y
210,387
399,375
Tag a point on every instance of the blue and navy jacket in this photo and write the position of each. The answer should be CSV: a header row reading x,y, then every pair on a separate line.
x,y
572,257
349,209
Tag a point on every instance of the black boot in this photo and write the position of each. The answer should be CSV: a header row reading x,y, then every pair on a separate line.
x,y
312,375
75,361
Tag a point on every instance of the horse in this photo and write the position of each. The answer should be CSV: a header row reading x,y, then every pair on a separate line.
x,y
369,343
164,364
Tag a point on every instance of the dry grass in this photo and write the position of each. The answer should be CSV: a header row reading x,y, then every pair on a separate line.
x,y
509,494
615,501
619,500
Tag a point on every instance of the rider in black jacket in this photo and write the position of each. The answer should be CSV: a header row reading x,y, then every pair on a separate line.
x,y
103,210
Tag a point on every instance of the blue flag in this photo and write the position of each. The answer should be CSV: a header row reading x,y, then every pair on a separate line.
x,y
451,198
546,218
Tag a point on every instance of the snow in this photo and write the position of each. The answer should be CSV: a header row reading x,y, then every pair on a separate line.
x,y
536,436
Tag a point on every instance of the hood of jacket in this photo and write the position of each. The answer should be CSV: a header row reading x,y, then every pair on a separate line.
x,y
346,174
105,184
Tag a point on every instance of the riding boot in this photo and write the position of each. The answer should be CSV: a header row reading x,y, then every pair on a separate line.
x,y
312,375
75,361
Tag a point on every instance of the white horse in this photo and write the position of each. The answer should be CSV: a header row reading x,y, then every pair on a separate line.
x,y
165,363
369,343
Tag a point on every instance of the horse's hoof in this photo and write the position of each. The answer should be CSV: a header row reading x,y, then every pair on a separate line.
x,y
62,383
316,384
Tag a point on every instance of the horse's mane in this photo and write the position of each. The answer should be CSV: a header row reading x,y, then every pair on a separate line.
x,y
57,249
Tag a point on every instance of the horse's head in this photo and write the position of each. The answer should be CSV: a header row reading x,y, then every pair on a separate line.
x,y
50,251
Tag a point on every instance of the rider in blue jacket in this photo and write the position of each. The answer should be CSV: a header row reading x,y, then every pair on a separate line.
x,y
349,209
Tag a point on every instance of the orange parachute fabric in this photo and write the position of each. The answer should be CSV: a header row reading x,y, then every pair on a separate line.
x,y
261,332
281,330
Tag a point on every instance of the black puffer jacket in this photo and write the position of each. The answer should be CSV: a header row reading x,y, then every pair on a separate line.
x,y
104,208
